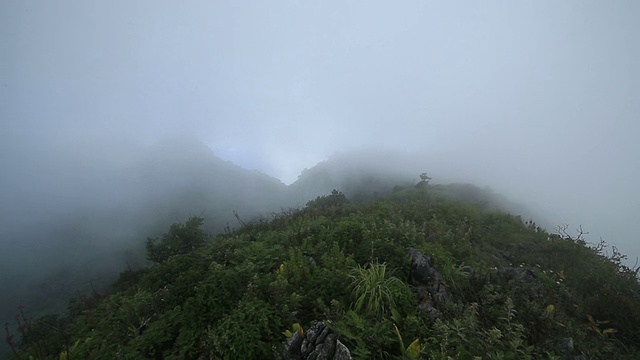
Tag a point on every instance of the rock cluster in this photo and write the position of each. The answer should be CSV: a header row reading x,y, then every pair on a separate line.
x,y
428,283
317,343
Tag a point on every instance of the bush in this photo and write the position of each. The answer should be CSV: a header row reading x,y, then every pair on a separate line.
x,y
181,239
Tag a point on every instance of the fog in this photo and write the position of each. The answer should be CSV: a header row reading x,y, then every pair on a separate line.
x,y
538,100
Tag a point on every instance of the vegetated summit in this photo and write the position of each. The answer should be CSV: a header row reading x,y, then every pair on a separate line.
x,y
426,272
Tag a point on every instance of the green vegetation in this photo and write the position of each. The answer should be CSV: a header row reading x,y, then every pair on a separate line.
x,y
514,291
181,239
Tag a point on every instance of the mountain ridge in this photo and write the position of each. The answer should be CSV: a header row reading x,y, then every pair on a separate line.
x,y
171,181
419,273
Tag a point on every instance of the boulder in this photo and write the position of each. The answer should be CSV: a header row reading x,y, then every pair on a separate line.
x,y
293,348
342,352
428,283
316,343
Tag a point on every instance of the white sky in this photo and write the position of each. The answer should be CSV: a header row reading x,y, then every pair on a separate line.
x,y
537,99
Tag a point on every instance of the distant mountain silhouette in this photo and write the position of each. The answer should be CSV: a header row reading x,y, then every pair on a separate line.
x,y
184,177
358,174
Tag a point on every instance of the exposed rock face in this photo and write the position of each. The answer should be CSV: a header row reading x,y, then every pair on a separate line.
x,y
293,348
342,352
317,343
428,283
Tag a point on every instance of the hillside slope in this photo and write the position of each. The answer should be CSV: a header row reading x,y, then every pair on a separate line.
x,y
80,226
416,274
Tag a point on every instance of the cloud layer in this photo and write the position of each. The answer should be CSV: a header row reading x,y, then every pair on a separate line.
x,y
538,100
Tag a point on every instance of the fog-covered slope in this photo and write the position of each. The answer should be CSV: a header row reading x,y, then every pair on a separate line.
x,y
428,272
84,217
368,174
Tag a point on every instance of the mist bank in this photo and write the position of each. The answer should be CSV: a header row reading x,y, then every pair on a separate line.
x,y
74,218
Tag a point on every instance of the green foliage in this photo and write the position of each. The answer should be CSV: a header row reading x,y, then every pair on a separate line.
x,y
464,337
374,290
336,198
181,239
232,296
412,351
246,332
367,338
295,328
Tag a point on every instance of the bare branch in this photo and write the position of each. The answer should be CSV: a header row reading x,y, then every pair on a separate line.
x,y
242,223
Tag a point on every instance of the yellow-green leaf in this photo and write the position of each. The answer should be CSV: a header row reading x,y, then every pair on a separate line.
x,y
413,351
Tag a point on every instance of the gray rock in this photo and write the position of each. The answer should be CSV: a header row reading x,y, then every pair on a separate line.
x,y
324,350
428,283
322,336
317,343
292,349
315,330
422,271
342,352
314,354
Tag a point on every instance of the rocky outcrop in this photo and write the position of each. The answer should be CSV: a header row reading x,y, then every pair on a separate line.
x,y
428,283
317,343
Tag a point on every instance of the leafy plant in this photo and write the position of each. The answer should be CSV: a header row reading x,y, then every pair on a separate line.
x,y
374,289
411,352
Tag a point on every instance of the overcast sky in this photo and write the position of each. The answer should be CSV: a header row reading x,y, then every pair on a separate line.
x,y
537,99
